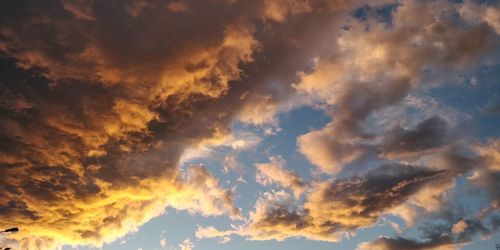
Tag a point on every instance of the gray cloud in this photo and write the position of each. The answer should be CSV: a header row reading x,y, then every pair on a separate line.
x,y
333,207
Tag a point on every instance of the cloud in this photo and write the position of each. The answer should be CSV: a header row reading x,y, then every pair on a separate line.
x,y
163,243
260,110
358,202
385,243
450,226
177,6
224,148
474,12
488,177
187,244
333,207
276,217
116,211
101,101
278,10
428,134
95,50
436,236
459,227
374,66
273,171
328,151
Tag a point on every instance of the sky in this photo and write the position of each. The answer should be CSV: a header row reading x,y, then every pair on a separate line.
x,y
250,124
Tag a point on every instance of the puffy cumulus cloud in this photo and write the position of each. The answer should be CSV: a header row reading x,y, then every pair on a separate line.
x,y
114,211
327,151
259,111
459,227
374,65
274,171
208,196
332,207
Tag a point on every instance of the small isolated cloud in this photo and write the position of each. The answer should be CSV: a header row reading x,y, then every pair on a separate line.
x,y
163,240
187,244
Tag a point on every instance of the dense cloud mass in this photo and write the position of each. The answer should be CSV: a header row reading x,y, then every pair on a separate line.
x,y
101,100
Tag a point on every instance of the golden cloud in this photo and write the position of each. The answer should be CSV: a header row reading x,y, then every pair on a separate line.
x,y
102,100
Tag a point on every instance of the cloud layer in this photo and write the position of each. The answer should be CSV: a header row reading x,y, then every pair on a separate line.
x,y
102,101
